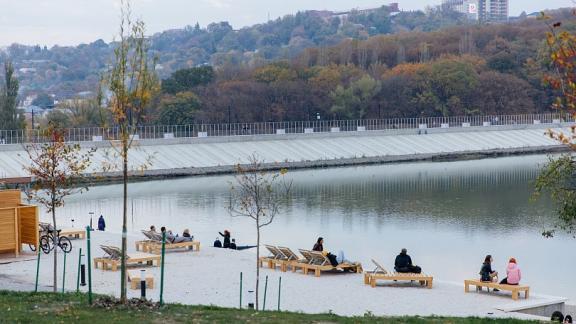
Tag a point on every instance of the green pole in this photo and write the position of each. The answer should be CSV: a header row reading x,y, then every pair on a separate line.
x,y
64,272
265,290
162,269
89,265
279,291
240,290
78,277
37,268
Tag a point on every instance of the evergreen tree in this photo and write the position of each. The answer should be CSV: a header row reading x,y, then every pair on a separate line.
x,y
9,117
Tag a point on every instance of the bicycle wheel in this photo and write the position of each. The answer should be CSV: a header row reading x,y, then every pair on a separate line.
x,y
46,244
32,247
65,244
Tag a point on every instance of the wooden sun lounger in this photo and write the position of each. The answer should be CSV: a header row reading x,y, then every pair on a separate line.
x,y
134,279
515,289
379,273
154,244
319,263
276,259
155,247
112,260
78,233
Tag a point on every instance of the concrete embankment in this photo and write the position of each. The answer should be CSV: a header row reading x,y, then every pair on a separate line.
x,y
217,155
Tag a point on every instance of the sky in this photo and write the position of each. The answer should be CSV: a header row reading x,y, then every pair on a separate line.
x,y
71,22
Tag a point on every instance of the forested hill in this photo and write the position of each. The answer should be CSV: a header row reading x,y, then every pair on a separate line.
x,y
67,71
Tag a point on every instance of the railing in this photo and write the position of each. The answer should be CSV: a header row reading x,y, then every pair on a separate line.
x,y
94,134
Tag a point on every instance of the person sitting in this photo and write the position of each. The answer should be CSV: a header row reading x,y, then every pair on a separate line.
x,y
169,235
568,319
486,272
319,246
403,263
233,244
513,273
226,236
152,228
217,243
187,237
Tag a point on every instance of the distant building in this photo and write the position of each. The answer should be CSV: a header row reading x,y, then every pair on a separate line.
x,y
485,11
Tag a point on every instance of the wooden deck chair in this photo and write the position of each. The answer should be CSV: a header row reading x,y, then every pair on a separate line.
x,y
114,254
148,234
290,256
308,258
379,269
276,253
319,258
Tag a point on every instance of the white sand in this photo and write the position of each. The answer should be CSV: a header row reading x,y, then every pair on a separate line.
x,y
211,277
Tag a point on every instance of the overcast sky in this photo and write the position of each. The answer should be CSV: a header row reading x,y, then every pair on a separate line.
x,y
70,22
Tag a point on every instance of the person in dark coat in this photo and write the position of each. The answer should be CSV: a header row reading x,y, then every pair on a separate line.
x,y
226,236
217,243
486,272
403,263
319,246
233,245
101,223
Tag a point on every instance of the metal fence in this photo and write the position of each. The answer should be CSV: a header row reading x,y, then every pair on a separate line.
x,y
91,134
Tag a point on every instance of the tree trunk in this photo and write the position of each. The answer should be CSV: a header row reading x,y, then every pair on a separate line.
x,y
55,241
257,264
124,220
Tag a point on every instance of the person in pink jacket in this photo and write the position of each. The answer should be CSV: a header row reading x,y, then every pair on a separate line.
x,y
513,273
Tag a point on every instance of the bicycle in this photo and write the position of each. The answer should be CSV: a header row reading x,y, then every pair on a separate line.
x,y
47,242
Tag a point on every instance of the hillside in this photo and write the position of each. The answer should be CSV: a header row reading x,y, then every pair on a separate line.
x,y
68,71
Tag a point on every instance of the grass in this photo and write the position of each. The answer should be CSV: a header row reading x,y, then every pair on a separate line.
x,y
19,307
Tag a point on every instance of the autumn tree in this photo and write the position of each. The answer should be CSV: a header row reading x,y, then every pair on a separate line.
x,y
258,195
57,169
132,83
558,178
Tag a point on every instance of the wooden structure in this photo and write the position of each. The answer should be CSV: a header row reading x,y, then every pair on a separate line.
x,y
515,289
276,259
112,260
77,233
154,244
18,223
134,279
371,277
317,262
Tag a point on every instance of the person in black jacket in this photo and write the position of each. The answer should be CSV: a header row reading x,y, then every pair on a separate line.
x,y
319,246
226,236
486,272
403,263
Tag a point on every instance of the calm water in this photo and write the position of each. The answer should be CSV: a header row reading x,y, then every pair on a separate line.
x,y
448,215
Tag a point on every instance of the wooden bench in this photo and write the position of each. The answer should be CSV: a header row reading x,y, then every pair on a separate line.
x,y
73,233
371,277
423,279
276,259
156,247
142,245
133,259
515,289
134,279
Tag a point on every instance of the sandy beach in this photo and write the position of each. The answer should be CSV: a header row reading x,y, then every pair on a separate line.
x,y
212,277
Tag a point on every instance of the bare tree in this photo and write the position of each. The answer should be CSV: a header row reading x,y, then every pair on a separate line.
x,y
57,169
258,195
133,83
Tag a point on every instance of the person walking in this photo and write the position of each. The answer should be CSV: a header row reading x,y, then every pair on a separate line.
x,y
101,224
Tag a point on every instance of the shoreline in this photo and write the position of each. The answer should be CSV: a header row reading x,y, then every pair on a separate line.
x,y
163,174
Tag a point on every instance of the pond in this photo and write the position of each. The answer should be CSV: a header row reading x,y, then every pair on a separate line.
x,y
448,215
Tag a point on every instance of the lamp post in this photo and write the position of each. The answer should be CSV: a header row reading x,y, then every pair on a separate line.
x,y
33,127
91,214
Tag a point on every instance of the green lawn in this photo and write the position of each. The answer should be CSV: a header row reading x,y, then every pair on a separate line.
x,y
16,307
